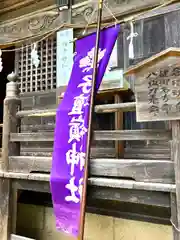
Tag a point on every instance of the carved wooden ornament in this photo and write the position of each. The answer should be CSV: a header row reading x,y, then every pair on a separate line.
x,y
157,86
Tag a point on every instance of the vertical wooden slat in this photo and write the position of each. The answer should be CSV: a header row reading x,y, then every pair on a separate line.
x,y
46,77
36,75
119,145
26,66
4,209
175,154
172,29
41,59
52,60
13,209
174,216
31,73
153,35
21,71
138,41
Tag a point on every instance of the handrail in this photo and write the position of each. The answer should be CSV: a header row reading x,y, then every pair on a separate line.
x,y
101,182
105,108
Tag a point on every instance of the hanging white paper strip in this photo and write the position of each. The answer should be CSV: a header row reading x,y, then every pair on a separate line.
x,y
34,56
131,36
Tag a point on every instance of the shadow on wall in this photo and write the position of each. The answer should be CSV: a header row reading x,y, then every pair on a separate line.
x,y
38,222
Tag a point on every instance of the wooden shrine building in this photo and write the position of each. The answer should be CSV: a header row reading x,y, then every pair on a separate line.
x,y
134,167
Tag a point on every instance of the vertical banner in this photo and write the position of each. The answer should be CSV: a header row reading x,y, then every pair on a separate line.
x,y
70,137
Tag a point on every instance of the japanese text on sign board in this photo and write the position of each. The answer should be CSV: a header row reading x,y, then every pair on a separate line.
x,y
164,91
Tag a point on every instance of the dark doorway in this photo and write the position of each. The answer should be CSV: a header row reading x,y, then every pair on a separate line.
x,y
8,62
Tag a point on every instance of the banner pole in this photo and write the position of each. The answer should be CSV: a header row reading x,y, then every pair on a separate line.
x,y
91,111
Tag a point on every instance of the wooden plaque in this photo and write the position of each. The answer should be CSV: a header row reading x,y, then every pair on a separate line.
x,y
157,87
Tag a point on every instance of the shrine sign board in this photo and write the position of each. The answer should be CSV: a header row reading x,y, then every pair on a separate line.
x,y
157,87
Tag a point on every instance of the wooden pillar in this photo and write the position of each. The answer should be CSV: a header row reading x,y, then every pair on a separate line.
x,y
10,125
119,145
175,198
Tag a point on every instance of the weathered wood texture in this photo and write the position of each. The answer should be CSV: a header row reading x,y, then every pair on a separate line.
x,y
101,182
128,184
40,123
156,88
145,134
34,25
10,124
119,125
174,216
105,108
139,170
81,13
150,152
175,157
122,195
4,208
118,7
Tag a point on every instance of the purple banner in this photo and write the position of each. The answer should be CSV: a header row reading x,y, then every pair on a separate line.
x,y
70,137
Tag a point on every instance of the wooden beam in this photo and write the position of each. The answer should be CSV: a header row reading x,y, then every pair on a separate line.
x,y
96,152
131,135
159,199
140,170
105,108
127,184
105,182
119,145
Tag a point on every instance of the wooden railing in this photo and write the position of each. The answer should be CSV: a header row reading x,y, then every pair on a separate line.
x,y
139,170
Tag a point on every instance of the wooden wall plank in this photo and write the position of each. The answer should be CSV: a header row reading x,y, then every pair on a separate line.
x,y
129,106
123,195
36,150
119,125
135,196
176,160
139,170
172,29
101,182
145,134
4,209
153,36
